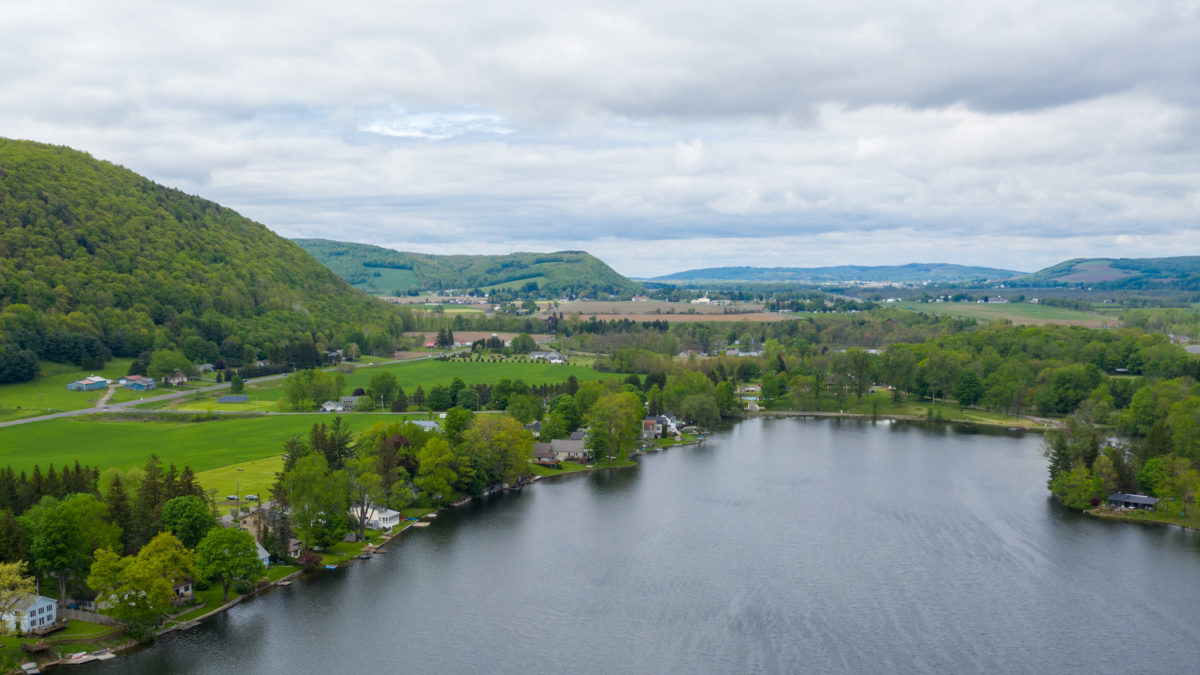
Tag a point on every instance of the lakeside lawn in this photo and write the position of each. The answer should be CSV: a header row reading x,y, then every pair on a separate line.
x,y
255,477
426,374
1020,313
48,391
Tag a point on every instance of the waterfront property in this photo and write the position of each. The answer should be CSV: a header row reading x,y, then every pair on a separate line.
x,y
31,613
382,518
1140,502
560,449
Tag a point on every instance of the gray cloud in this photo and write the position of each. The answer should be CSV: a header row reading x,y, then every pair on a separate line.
x,y
978,133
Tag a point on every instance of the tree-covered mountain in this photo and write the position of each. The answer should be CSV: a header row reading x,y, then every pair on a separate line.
x,y
1176,273
97,260
912,273
383,271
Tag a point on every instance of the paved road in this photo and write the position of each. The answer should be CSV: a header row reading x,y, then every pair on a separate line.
x,y
128,405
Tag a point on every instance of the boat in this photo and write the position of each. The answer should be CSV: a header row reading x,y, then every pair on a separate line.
x,y
364,556
330,568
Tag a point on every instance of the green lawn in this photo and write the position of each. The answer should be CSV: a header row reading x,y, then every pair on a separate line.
x,y
49,390
880,403
1017,312
425,374
253,477
201,445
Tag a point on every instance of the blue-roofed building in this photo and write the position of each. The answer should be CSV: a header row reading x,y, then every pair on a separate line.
x,y
1125,501
88,384
137,382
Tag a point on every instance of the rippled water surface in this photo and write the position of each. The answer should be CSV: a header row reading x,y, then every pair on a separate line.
x,y
778,546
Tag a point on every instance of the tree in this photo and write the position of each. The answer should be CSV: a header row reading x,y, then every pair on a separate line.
x,y
727,403
522,344
566,407
615,422
1077,487
435,473
700,409
14,586
188,518
236,384
318,500
138,589
969,389
164,362
503,443
525,407
467,398
365,488
229,554
457,421
383,388
439,398
64,535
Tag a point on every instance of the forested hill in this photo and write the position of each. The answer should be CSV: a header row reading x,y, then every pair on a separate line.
x,y
905,274
88,248
383,271
1179,273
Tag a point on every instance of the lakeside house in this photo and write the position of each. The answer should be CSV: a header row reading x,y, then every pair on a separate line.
x,y
561,449
382,518
30,613
1121,500
88,383
544,456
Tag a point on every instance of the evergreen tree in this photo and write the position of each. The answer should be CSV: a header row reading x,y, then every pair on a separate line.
x,y
119,512
147,504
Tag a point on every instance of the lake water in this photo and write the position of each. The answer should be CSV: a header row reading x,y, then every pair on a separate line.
x,y
797,546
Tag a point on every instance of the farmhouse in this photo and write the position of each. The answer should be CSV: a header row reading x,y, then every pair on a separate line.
x,y
551,356
175,379
349,401
88,383
1140,502
30,613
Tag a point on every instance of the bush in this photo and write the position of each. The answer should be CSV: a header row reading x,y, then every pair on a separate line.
x,y
309,560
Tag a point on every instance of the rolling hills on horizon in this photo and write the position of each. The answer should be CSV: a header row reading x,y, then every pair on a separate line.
x,y
910,273
384,271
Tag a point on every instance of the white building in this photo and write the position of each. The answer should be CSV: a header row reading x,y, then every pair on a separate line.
x,y
263,556
31,613
380,518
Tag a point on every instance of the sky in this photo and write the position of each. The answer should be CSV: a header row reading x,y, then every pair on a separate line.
x,y
658,136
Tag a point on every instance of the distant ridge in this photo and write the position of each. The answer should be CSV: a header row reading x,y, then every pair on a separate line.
x,y
910,273
385,271
1174,273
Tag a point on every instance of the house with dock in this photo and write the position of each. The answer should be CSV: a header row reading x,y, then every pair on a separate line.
x,y
1121,500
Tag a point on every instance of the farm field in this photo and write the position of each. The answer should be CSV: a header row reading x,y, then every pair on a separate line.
x,y
254,478
1020,313
49,390
126,444
410,375
654,307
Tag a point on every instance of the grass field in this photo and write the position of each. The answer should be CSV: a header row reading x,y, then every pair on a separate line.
x,y
49,390
253,477
425,374
1020,313
123,444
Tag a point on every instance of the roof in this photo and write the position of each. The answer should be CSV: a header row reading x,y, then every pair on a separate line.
x,y
1133,499
27,600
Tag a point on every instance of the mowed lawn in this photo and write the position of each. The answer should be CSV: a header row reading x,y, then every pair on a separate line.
x,y
49,390
1020,313
410,375
200,445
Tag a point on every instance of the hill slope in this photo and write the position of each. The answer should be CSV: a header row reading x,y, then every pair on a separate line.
x,y
383,271
90,248
1180,273
910,273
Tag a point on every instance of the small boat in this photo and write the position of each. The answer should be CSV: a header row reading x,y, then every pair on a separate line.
x,y
330,568
364,556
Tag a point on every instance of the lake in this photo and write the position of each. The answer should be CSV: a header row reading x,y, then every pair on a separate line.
x,y
798,546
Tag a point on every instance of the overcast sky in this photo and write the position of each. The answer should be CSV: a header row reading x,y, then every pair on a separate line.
x,y
659,136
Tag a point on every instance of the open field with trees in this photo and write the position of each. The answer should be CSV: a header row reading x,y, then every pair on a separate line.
x,y
48,392
1020,313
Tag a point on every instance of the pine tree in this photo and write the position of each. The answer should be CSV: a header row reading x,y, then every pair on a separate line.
x,y
147,504
117,501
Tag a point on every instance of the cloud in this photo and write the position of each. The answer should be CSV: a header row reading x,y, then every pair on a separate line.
x,y
900,131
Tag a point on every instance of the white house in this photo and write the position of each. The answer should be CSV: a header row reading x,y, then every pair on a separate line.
x,y
380,518
31,613
263,556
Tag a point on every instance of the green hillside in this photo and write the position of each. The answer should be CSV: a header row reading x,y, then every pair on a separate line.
x,y
95,257
1176,273
383,271
912,273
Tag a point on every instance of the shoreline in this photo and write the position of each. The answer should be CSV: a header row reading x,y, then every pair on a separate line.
x,y
818,414
1096,512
